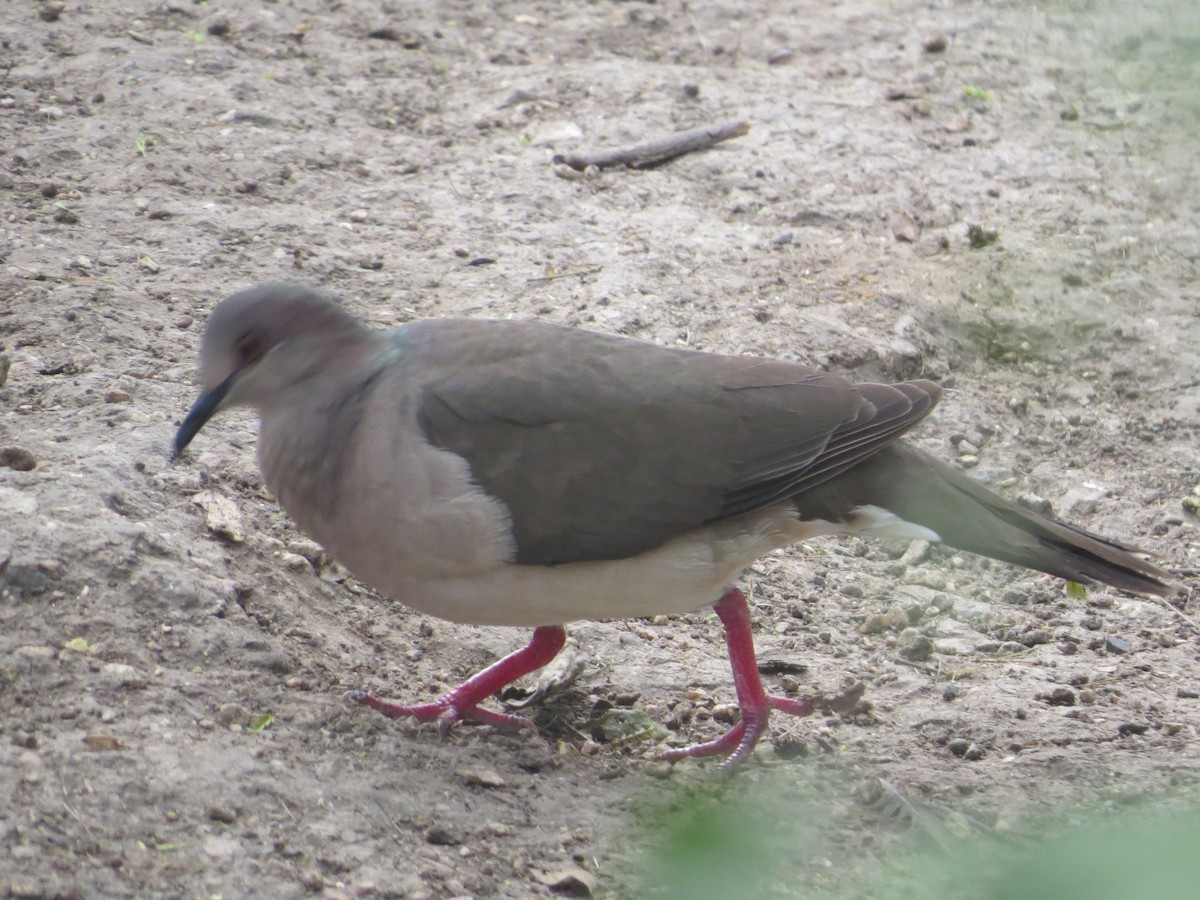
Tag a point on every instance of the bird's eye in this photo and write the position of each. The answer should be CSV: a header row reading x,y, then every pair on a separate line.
x,y
250,348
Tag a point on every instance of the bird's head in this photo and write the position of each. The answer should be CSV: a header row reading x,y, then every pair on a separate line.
x,y
260,341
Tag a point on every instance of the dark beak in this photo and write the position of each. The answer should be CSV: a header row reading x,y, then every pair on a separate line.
x,y
203,409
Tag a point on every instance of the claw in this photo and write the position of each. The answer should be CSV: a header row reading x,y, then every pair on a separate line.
x,y
740,740
463,701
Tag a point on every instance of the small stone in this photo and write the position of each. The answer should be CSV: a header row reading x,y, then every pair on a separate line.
x,y
1129,728
1061,696
442,836
958,746
1087,695
481,777
1114,644
951,692
780,57
5,365
219,27
727,713
222,814
930,578
230,714
571,880
359,216
123,675
118,397
17,458
1036,637
905,228
914,646
968,461
293,561
935,44
51,10
22,886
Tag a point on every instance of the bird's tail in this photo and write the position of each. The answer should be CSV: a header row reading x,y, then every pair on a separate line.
x,y
920,489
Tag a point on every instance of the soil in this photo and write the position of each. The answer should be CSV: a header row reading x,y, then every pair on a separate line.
x,y
998,196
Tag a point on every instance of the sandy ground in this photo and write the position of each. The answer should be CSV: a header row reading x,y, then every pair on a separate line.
x,y
170,686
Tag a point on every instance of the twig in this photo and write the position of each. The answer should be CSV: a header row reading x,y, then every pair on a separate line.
x,y
657,151
577,272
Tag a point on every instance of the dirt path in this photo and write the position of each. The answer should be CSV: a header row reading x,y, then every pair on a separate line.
x,y
170,697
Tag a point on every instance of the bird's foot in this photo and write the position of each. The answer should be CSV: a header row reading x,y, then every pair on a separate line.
x,y
444,711
463,701
737,743
740,740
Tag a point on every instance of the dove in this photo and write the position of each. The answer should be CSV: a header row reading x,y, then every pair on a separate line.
x,y
518,473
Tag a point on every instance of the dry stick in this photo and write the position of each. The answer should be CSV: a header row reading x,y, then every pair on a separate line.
x,y
580,272
657,151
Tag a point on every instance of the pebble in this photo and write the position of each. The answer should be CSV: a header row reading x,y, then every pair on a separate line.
x,y
894,619
222,814
1114,644
930,578
951,692
479,776
442,835
1036,637
1060,696
123,674
26,888
726,712
17,458
936,44
780,57
51,10
1082,499
914,646
1038,504
118,397
915,552
5,365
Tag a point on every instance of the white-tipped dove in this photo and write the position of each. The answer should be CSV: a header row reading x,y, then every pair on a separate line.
x,y
518,473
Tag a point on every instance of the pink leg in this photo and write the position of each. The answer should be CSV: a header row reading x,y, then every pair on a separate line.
x,y
755,702
462,702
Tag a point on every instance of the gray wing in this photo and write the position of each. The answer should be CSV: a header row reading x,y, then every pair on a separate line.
x,y
604,447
